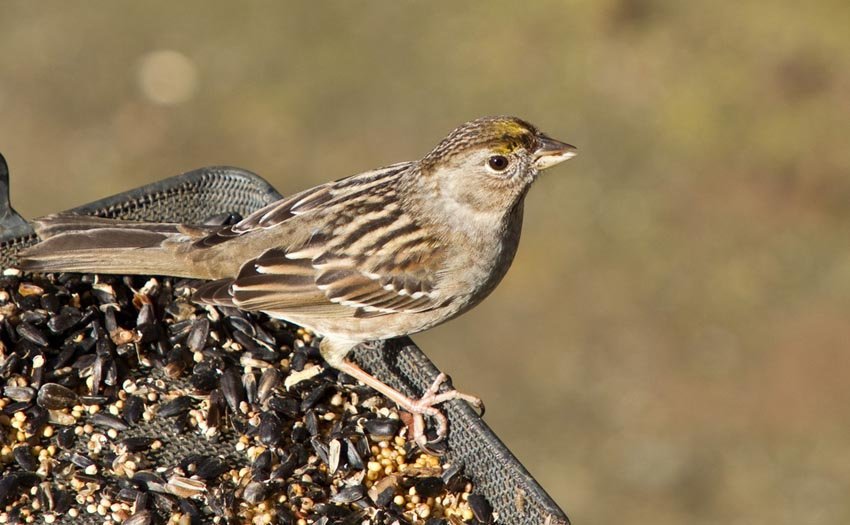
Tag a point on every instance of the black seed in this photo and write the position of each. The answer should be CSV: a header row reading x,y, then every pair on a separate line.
x,y
204,377
255,492
136,444
198,334
127,495
164,503
231,387
109,421
481,508
85,361
320,448
141,501
149,480
270,380
285,406
246,341
215,412
188,508
34,317
134,409
181,422
429,487
104,293
262,466
111,376
32,334
296,457
177,361
355,461
317,394
94,400
80,460
349,495
284,516
11,366
298,361
37,417
19,393
311,422
61,501
265,356
240,324
66,438
12,408
299,434
382,427
178,405
209,468
50,302
148,332
385,497
271,430
23,456
454,479
15,482
66,319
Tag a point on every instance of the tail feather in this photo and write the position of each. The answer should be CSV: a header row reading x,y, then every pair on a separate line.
x,y
215,293
77,243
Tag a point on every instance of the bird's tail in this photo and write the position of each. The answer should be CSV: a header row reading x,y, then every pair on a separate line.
x,y
79,243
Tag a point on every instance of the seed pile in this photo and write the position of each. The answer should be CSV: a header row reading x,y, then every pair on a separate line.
x,y
123,401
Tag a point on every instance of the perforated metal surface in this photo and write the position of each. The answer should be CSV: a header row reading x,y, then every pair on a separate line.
x,y
191,197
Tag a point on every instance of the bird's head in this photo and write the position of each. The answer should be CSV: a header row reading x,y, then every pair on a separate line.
x,y
489,163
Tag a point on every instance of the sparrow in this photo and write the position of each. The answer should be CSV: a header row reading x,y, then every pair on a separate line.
x,y
376,255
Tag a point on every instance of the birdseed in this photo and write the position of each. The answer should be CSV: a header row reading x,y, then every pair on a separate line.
x,y
123,401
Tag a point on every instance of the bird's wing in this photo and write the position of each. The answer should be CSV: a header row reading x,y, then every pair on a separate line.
x,y
313,200
363,257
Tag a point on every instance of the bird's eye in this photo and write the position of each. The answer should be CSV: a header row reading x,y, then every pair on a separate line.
x,y
498,162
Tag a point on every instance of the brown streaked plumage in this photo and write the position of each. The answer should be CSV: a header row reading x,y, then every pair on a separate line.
x,y
381,254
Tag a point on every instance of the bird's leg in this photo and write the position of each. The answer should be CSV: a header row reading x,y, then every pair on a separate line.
x,y
419,408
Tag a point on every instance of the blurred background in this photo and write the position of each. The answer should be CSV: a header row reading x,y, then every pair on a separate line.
x,y
671,344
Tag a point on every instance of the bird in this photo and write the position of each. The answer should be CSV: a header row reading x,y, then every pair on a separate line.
x,y
376,255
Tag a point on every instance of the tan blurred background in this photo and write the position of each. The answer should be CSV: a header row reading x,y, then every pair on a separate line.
x,y
671,345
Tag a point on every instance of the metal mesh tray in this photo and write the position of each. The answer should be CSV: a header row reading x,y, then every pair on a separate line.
x,y
198,194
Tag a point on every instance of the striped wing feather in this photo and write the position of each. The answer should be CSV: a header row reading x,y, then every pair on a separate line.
x,y
363,257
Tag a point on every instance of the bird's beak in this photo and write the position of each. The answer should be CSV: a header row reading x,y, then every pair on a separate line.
x,y
550,152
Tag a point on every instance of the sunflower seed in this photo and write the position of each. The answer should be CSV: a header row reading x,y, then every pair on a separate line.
x,y
178,405
184,487
32,334
54,396
19,393
23,456
109,421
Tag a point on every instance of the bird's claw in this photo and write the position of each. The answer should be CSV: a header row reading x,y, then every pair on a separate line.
x,y
425,406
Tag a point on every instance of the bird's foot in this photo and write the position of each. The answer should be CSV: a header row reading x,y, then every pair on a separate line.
x,y
425,406
420,408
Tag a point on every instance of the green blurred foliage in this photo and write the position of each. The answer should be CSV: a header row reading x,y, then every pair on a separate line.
x,y
671,345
